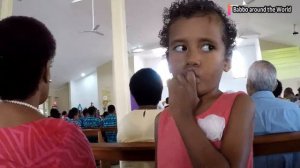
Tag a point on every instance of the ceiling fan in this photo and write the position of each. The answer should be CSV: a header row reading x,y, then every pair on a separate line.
x,y
94,27
247,2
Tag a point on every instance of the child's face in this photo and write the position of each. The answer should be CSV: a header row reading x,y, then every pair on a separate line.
x,y
195,44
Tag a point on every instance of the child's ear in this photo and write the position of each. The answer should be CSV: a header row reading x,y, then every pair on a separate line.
x,y
227,65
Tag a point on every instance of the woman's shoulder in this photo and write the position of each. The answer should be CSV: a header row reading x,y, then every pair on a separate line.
x,y
49,126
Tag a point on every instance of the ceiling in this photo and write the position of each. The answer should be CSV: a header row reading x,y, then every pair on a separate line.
x,y
83,52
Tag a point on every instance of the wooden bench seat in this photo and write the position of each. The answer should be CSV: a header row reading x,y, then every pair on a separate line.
x,y
136,151
99,132
145,151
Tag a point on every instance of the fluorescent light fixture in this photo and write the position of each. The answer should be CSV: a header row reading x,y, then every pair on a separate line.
x,y
137,50
82,74
74,1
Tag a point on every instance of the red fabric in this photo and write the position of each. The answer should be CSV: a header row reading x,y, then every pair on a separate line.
x,y
45,143
171,152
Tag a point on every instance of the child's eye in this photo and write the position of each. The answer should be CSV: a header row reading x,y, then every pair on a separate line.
x,y
207,47
180,48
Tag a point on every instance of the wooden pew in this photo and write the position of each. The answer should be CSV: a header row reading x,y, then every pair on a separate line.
x,y
145,151
99,132
111,129
135,151
94,132
276,143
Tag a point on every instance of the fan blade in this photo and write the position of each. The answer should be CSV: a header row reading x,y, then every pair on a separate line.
x,y
98,33
96,27
74,1
87,31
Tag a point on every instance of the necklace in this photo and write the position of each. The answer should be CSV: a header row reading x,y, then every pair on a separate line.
x,y
22,104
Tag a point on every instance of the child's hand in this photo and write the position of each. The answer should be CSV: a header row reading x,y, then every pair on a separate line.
x,y
183,95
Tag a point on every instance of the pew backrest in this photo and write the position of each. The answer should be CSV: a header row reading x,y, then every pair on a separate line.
x,y
276,143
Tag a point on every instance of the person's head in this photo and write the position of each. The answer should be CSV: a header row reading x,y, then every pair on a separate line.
x,y
27,49
278,90
199,38
146,87
64,113
111,109
73,113
92,111
261,77
104,114
84,112
288,93
54,113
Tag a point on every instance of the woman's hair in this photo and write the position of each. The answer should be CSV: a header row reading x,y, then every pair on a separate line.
x,y
146,87
64,113
278,90
54,113
191,8
91,110
111,109
288,93
26,46
84,112
73,112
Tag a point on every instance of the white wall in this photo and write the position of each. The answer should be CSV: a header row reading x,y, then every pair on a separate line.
x,y
84,91
228,82
105,82
62,97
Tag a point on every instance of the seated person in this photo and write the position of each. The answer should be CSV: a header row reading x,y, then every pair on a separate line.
x,y
54,113
73,117
278,90
90,121
110,121
273,115
289,94
138,125
28,139
64,115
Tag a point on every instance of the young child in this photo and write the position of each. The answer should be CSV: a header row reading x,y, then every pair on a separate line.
x,y
202,127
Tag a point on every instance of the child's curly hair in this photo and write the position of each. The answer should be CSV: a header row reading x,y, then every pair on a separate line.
x,y
190,8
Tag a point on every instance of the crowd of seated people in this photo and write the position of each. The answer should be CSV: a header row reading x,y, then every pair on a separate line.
x,y
88,119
